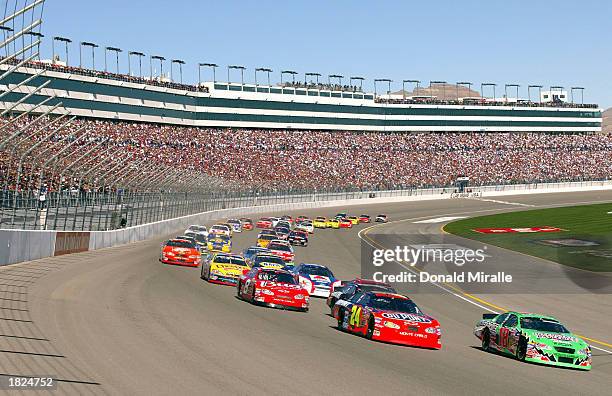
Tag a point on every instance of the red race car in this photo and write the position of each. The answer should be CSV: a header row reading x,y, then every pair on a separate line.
x,y
247,224
274,288
364,218
282,249
264,222
388,317
180,252
345,223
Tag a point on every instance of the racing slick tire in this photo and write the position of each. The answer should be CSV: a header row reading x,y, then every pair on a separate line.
x,y
331,306
341,320
521,349
238,287
486,340
370,330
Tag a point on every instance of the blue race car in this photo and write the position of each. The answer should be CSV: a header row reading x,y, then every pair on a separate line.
x,y
317,279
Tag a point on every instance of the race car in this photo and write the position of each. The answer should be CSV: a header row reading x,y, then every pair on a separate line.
x,y
268,260
273,288
388,317
235,224
282,232
297,237
344,291
264,222
533,338
283,224
224,269
344,222
191,239
320,222
317,279
286,218
305,225
353,219
266,231
200,240
180,252
264,240
333,223
247,224
301,218
381,218
222,229
197,229
364,218
341,215
219,243
250,252
282,249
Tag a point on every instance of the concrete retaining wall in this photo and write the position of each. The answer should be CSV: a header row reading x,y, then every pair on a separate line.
x,y
17,246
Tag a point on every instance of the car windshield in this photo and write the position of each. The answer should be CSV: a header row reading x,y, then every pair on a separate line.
x,y
279,277
376,288
181,244
393,304
268,258
320,219
316,270
218,240
268,237
199,237
223,259
542,324
238,261
280,247
282,230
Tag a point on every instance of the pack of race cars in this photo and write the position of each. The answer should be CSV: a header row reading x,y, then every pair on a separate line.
x,y
266,274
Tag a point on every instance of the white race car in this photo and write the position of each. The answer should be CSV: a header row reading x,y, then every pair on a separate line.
x,y
197,229
305,225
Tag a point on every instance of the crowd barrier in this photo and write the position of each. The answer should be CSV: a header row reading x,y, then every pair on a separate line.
x,y
21,245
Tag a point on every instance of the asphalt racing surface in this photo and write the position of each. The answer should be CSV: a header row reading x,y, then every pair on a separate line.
x,y
116,321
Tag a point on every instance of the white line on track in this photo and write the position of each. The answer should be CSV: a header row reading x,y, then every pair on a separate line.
x,y
439,285
505,202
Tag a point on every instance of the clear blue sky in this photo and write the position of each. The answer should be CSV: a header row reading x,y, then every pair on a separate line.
x,y
551,42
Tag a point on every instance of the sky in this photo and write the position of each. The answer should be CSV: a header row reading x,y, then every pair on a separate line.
x,y
561,42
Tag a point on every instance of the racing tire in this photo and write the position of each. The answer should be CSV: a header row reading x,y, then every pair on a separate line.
x,y
331,306
340,320
521,349
486,341
370,330
238,288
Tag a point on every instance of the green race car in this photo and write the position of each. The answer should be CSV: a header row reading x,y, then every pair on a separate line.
x,y
533,338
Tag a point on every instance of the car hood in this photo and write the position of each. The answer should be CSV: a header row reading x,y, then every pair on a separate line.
x,y
554,339
406,317
228,269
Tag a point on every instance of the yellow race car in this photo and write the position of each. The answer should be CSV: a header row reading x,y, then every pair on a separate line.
x,y
219,243
320,222
264,240
224,269
333,223
354,219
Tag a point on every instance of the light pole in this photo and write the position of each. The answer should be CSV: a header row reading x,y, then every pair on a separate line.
x,y
236,67
139,55
357,78
511,86
116,51
415,82
306,75
443,88
581,89
39,36
487,85
553,88
161,60
265,70
539,87
338,76
64,40
463,83
213,66
6,29
180,64
93,47
290,72
383,80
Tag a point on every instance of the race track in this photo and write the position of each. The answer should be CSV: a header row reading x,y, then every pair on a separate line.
x,y
116,321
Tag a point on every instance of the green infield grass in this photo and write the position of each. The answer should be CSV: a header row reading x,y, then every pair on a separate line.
x,y
585,239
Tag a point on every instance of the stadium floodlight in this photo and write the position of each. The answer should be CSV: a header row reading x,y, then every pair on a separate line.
x,y
468,84
161,60
482,85
39,36
306,75
539,87
180,64
213,66
382,80
93,47
517,86
139,55
357,78
265,70
443,83
416,82
291,72
6,29
581,89
338,76
64,40
116,51
236,67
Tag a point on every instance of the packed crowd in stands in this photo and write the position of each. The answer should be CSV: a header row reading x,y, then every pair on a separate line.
x,y
321,86
314,160
483,102
160,82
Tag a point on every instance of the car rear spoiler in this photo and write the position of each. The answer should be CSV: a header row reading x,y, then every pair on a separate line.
x,y
489,315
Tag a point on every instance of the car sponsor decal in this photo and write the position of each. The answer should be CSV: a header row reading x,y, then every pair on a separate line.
x,y
553,336
508,230
406,316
